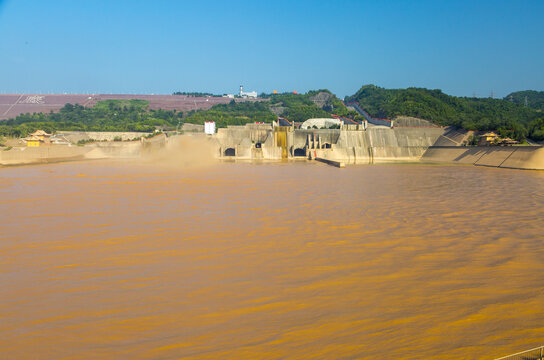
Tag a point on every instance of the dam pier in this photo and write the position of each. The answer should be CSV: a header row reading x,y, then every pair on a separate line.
x,y
350,143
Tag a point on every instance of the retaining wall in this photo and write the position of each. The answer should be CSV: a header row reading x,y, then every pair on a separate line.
x,y
75,136
515,157
29,155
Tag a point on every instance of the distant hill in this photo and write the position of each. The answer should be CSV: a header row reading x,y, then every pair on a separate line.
x,y
293,107
507,117
233,113
535,99
313,104
106,115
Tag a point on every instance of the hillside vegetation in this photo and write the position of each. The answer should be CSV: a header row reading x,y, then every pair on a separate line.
x,y
506,117
234,113
108,115
313,104
135,115
294,107
535,99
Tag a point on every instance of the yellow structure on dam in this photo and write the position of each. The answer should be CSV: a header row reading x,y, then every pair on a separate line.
x,y
37,138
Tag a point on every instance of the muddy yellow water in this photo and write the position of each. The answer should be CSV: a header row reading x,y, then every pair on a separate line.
x,y
275,261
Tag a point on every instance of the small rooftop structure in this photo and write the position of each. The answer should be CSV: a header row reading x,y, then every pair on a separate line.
x,y
40,133
37,138
507,141
59,139
321,123
488,138
209,127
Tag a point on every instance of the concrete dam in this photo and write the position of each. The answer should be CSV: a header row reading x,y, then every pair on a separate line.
x,y
352,144
368,144
349,144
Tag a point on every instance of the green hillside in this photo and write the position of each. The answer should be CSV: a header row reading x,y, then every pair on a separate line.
x,y
108,115
506,117
294,107
234,113
313,104
530,98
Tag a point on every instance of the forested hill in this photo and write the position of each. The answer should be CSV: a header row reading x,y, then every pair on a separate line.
x,y
530,98
511,119
294,107
106,115
135,115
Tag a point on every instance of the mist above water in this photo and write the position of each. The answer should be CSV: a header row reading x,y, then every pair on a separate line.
x,y
182,152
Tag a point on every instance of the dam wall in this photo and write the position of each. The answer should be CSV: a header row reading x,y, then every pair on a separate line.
x,y
353,145
401,144
125,149
44,154
374,145
96,150
514,157
377,144
75,136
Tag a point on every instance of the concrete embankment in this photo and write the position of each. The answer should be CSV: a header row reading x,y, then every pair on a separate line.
x,y
380,144
121,149
75,136
337,164
97,150
32,155
515,157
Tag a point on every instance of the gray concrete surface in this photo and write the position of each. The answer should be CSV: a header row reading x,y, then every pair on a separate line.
x,y
515,157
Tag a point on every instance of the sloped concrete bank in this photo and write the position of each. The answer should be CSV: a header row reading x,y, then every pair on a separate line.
x,y
513,157
98,150
36,155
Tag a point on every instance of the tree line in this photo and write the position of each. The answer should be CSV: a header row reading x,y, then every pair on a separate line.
x,y
506,117
107,115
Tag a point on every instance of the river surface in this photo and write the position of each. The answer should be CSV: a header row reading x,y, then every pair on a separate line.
x,y
106,260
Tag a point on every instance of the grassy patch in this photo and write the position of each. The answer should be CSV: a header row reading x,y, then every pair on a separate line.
x,y
133,104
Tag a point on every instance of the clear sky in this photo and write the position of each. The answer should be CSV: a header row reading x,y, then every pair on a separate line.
x,y
160,46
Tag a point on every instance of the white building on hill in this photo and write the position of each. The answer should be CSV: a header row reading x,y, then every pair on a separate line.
x,y
251,94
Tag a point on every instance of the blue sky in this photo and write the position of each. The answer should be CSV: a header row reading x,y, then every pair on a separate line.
x,y
163,46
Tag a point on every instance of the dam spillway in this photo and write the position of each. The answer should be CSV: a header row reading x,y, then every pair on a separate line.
x,y
353,144
359,144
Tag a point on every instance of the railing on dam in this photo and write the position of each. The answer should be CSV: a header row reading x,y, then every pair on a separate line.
x,y
533,354
370,119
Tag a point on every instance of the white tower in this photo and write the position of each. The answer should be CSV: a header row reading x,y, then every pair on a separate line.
x,y
241,89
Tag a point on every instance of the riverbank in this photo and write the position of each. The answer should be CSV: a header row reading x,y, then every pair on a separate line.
x,y
350,148
511,157
54,153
